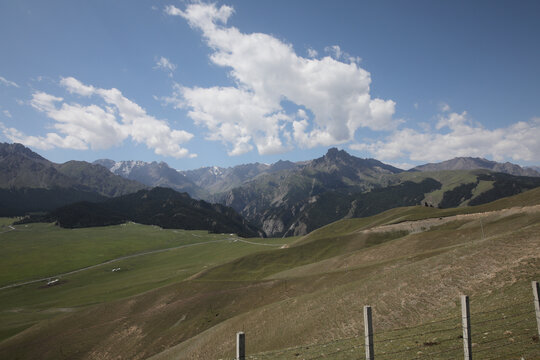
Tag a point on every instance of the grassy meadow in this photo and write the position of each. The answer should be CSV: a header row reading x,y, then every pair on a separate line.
x,y
303,300
38,251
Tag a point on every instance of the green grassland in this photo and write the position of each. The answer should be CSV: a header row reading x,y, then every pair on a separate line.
x,y
43,250
4,222
302,301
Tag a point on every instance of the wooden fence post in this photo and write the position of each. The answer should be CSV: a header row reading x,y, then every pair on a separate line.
x,y
240,346
536,291
368,326
466,323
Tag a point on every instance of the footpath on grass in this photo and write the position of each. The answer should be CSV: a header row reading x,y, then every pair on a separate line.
x,y
128,257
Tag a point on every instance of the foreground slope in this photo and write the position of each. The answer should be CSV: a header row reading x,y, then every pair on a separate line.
x,y
145,258
411,264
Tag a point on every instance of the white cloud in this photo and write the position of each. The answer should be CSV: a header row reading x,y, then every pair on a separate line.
x,y
74,86
312,53
100,127
6,82
444,107
6,113
166,65
50,141
267,71
336,52
172,10
456,135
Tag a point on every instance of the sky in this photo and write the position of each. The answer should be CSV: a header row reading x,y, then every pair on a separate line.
x,y
196,83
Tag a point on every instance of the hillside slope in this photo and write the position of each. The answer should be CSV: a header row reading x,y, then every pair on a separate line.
x,y
471,163
160,206
299,298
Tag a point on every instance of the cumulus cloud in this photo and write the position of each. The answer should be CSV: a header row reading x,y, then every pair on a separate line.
x,y
100,126
457,135
7,82
49,141
336,52
312,53
166,65
269,73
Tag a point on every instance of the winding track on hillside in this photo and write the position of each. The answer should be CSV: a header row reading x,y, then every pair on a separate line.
x,y
129,257
416,226
11,228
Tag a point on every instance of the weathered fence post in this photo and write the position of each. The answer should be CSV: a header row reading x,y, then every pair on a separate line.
x,y
240,346
466,323
368,325
536,291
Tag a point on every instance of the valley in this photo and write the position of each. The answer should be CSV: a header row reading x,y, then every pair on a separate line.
x,y
269,180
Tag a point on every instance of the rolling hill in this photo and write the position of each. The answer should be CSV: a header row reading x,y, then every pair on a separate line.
x,y
306,300
159,206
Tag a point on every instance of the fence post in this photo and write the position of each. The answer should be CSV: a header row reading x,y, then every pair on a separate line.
x,y
368,326
536,291
466,323
240,346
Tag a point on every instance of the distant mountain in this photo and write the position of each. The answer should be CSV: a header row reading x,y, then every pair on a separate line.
x,y
163,207
97,179
470,163
276,200
200,183
20,167
154,174
32,183
299,199
216,180
535,168
331,206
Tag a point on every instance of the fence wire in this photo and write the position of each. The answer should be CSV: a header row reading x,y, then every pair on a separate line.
x,y
426,340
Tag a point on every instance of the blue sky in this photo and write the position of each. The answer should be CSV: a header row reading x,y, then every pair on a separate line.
x,y
198,84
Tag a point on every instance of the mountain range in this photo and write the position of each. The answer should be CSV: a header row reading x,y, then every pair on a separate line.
x,y
281,199
287,198
199,183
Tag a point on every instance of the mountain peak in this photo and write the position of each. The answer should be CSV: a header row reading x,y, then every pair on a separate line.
x,y
7,149
334,153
